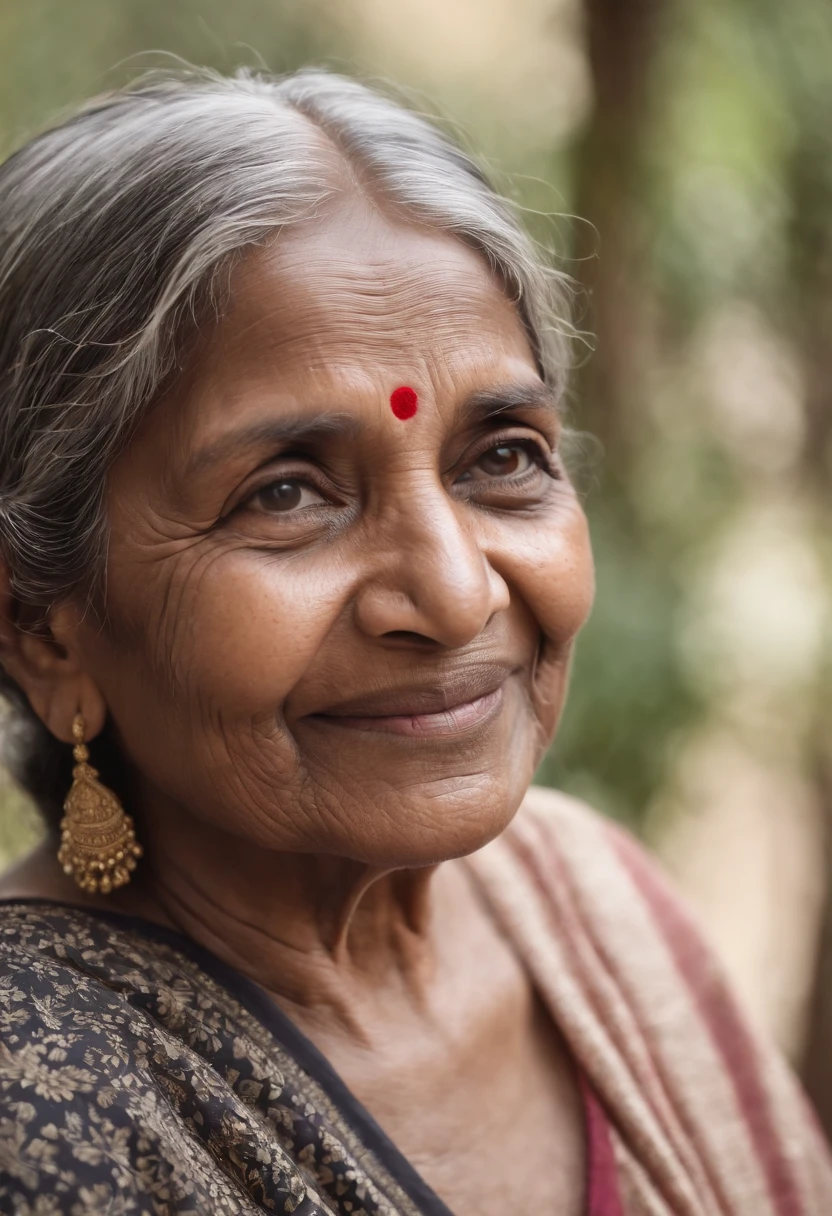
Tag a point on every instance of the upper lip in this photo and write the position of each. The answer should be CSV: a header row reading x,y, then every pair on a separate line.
x,y
444,691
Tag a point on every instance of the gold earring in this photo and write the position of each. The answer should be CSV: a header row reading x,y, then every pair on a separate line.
x,y
98,839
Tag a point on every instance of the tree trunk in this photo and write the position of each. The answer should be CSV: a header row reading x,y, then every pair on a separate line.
x,y
609,203
811,308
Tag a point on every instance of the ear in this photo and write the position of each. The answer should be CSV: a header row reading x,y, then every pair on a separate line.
x,y
45,662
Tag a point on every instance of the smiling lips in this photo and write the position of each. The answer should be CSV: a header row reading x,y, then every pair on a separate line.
x,y
422,713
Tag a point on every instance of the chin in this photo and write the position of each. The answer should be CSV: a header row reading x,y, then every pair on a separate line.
x,y
434,824
406,804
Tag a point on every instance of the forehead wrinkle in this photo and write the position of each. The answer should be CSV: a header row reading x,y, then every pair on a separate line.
x,y
371,319
417,292
409,338
302,294
325,303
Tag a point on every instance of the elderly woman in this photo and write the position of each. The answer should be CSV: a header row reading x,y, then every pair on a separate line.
x,y
289,547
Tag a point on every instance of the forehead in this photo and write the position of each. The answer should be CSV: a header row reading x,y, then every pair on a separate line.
x,y
358,290
322,325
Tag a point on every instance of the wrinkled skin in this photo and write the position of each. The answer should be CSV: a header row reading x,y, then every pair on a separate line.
x,y
334,659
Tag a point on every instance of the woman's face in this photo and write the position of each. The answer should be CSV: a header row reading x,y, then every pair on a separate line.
x,y
330,629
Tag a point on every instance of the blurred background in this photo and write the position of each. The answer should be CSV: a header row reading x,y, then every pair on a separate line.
x,y
674,155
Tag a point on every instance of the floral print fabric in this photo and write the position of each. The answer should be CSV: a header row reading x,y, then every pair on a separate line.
x,y
136,1078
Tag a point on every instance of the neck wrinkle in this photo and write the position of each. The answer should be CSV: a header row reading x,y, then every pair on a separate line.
x,y
314,931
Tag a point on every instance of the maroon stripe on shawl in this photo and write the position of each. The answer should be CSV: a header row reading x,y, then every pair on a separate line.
x,y
729,1035
530,858
603,1195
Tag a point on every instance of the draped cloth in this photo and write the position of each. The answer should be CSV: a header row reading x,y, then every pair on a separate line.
x,y
706,1118
139,1074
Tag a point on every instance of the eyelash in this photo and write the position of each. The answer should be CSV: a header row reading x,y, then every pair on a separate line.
x,y
301,478
538,453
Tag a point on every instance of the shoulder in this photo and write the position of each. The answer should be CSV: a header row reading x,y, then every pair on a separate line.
x,y
577,875
645,1003
106,985
53,946
72,1020
556,811
617,891
557,834
90,1079
602,859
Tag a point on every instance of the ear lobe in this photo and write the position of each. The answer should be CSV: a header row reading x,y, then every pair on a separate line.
x,y
47,670
57,702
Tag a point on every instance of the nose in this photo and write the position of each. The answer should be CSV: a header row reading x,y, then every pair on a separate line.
x,y
430,577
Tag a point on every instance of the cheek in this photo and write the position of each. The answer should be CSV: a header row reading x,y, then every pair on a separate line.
x,y
553,571
209,650
237,632
256,626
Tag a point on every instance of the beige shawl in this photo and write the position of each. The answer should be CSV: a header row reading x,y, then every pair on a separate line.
x,y
706,1117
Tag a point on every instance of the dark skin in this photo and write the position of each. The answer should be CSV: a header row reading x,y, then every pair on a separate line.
x,y
334,648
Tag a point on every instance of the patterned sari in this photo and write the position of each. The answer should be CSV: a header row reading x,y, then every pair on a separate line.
x,y
138,1074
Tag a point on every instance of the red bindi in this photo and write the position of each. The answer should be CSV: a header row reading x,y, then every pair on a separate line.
x,y
404,402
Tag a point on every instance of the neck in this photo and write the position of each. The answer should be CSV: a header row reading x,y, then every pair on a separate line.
x,y
313,930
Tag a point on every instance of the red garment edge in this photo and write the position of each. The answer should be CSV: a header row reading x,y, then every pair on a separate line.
x,y
727,1031
603,1195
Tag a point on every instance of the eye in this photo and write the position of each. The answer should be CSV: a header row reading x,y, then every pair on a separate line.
x,y
509,459
284,497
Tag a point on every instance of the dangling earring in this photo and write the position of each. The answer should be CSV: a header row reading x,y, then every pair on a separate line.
x,y
98,840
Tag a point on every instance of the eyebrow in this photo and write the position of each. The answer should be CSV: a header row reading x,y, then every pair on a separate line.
x,y
275,433
486,402
271,434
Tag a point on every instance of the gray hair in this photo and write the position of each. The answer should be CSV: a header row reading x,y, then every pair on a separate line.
x,y
118,228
